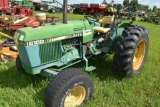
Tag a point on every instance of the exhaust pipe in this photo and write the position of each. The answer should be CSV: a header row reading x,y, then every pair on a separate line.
x,y
65,2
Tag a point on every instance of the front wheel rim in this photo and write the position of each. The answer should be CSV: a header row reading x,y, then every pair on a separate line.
x,y
139,55
75,97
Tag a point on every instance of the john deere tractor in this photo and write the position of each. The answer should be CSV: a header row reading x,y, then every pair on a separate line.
x,y
51,49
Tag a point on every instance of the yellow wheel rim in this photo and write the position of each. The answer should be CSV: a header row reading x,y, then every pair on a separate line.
x,y
75,97
139,55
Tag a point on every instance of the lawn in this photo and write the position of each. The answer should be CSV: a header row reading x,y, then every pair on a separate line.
x,y
24,90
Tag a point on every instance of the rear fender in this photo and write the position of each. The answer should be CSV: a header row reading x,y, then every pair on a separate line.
x,y
117,33
88,32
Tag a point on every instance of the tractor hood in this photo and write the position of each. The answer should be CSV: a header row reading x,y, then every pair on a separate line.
x,y
51,31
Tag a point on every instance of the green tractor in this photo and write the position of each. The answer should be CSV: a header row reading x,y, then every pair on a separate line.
x,y
24,3
51,48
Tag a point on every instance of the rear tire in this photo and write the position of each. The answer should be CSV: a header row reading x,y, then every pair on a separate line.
x,y
69,88
52,11
131,51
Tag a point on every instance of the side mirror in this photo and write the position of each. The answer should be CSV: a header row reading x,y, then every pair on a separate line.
x,y
133,18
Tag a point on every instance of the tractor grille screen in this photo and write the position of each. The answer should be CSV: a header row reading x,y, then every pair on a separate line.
x,y
50,52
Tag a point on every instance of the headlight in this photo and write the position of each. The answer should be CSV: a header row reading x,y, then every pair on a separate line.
x,y
16,38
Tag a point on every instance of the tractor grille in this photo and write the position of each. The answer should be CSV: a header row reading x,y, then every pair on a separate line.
x,y
50,52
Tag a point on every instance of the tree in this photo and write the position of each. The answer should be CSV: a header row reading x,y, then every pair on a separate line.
x,y
74,5
105,2
134,2
149,10
155,9
126,3
143,7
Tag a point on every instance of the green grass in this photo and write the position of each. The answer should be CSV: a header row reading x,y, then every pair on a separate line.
x,y
19,90
60,17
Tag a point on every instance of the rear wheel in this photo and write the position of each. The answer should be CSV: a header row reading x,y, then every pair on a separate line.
x,y
131,51
70,88
75,11
52,10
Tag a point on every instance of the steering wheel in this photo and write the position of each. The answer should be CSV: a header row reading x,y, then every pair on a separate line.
x,y
91,19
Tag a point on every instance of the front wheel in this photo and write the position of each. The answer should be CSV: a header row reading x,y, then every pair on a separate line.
x,y
19,65
70,88
131,51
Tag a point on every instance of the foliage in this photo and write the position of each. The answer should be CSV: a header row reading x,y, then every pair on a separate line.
x,y
118,7
105,2
126,3
134,2
143,7
149,10
135,5
74,5
131,6
155,9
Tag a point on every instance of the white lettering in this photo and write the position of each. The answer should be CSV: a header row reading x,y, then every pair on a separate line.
x,y
30,43
37,42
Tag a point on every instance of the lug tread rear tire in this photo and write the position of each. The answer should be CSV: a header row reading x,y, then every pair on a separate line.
x,y
125,49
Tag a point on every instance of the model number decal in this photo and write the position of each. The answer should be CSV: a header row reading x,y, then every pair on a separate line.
x,y
38,42
35,42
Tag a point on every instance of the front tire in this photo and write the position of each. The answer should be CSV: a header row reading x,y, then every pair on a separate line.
x,y
69,88
131,51
19,65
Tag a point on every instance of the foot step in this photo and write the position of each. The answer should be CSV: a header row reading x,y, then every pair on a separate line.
x,y
91,68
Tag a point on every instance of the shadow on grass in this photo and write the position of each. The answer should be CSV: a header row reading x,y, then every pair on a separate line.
x,y
11,78
35,85
104,67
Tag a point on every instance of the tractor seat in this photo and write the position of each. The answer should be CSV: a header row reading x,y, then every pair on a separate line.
x,y
101,29
107,19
